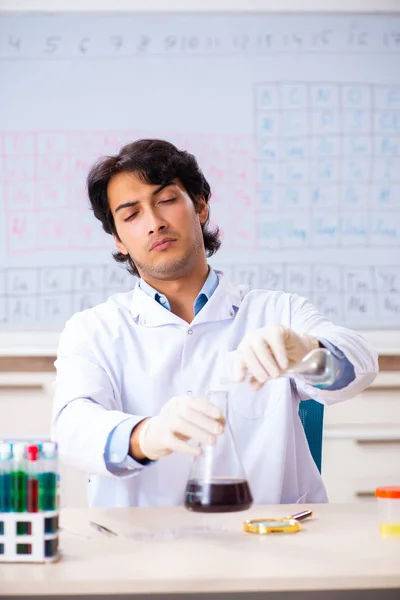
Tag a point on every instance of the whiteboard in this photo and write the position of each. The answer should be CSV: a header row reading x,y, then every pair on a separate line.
x,y
295,121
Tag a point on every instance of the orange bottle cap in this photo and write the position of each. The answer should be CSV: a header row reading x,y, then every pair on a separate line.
x,y
390,491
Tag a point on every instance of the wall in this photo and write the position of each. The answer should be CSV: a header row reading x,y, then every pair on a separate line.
x,y
205,5
32,343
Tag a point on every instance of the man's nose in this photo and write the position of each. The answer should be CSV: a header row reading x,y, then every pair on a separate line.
x,y
156,224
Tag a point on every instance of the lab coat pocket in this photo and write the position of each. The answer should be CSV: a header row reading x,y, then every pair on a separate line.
x,y
256,405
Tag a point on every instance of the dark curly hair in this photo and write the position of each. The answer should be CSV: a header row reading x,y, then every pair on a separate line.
x,y
156,162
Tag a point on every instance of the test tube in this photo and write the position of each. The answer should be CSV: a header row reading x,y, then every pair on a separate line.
x,y
48,477
33,478
19,478
5,477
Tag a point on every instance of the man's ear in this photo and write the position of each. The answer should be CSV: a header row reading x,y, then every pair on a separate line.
x,y
202,210
120,245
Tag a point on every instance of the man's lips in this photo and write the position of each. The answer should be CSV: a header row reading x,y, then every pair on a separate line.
x,y
162,244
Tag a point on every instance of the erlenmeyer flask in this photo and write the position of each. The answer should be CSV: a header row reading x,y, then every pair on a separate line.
x,y
217,481
316,368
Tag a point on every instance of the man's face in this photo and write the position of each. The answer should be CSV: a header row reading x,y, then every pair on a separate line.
x,y
157,226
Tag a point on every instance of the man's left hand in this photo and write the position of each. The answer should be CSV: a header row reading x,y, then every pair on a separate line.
x,y
265,352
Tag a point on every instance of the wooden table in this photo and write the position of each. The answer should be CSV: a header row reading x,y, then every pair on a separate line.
x,y
170,550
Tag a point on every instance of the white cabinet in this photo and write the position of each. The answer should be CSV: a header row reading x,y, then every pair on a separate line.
x,y
25,409
361,446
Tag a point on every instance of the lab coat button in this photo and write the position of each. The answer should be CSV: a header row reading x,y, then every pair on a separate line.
x,y
142,322
190,331
189,392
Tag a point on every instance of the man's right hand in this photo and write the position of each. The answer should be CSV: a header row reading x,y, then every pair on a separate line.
x,y
182,418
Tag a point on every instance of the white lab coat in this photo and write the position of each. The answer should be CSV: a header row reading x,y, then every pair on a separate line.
x,y
129,355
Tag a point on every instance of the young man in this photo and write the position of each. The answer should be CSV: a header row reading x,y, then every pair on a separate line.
x,y
133,373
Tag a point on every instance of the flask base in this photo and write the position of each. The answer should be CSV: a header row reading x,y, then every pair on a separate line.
x,y
218,495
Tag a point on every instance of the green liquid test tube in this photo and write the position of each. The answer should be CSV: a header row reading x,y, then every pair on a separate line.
x,y
5,477
48,477
47,491
19,479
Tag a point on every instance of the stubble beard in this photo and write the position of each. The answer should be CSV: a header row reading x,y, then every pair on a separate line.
x,y
174,268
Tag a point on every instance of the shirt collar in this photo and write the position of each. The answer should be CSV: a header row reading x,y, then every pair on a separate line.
x,y
209,287
223,304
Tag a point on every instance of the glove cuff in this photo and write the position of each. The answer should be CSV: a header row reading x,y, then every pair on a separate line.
x,y
142,442
311,342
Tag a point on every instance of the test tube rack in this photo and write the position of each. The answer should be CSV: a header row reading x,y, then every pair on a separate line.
x,y
29,537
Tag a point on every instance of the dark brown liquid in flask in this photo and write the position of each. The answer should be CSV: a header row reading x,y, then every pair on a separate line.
x,y
218,495
217,480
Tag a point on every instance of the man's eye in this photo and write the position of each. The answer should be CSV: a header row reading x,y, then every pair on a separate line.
x,y
131,217
167,200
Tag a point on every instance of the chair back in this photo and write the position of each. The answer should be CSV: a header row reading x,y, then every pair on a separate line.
x,y
311,414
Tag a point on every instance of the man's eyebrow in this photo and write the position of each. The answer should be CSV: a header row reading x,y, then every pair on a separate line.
x,y
160,189
134,202
126,205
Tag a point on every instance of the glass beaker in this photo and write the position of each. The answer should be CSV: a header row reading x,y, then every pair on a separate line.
x,y
217,481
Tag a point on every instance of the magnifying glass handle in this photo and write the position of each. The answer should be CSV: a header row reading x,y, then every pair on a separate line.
x,y
301,515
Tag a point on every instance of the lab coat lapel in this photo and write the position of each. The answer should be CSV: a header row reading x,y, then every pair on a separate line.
x,y
149,313
222,304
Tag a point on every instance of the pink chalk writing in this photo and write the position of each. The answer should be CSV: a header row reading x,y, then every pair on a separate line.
x,y
19,168
20,232
52,165
19,195
18,226
19,143
49,143
51,194
45,172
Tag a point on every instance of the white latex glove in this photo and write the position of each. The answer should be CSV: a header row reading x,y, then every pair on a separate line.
x,y
265,352
182,418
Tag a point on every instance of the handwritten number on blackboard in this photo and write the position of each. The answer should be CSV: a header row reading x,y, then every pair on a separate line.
x,y
358,38
83,45
396,38
214,42
185,43
193,42
51,44
323,37
264,41
14,42
297,39
117,41
170,42
144,43
241,42
293,40
355,38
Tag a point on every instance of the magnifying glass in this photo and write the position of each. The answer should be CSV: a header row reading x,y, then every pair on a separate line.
x,y
285,525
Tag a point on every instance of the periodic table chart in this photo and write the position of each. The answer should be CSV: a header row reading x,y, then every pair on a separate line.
x,y
295,122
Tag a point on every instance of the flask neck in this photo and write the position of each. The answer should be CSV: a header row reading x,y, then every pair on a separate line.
x,y
220,399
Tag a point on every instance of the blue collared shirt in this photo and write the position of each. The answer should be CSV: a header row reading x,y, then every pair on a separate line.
x,y
209,287
116,451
